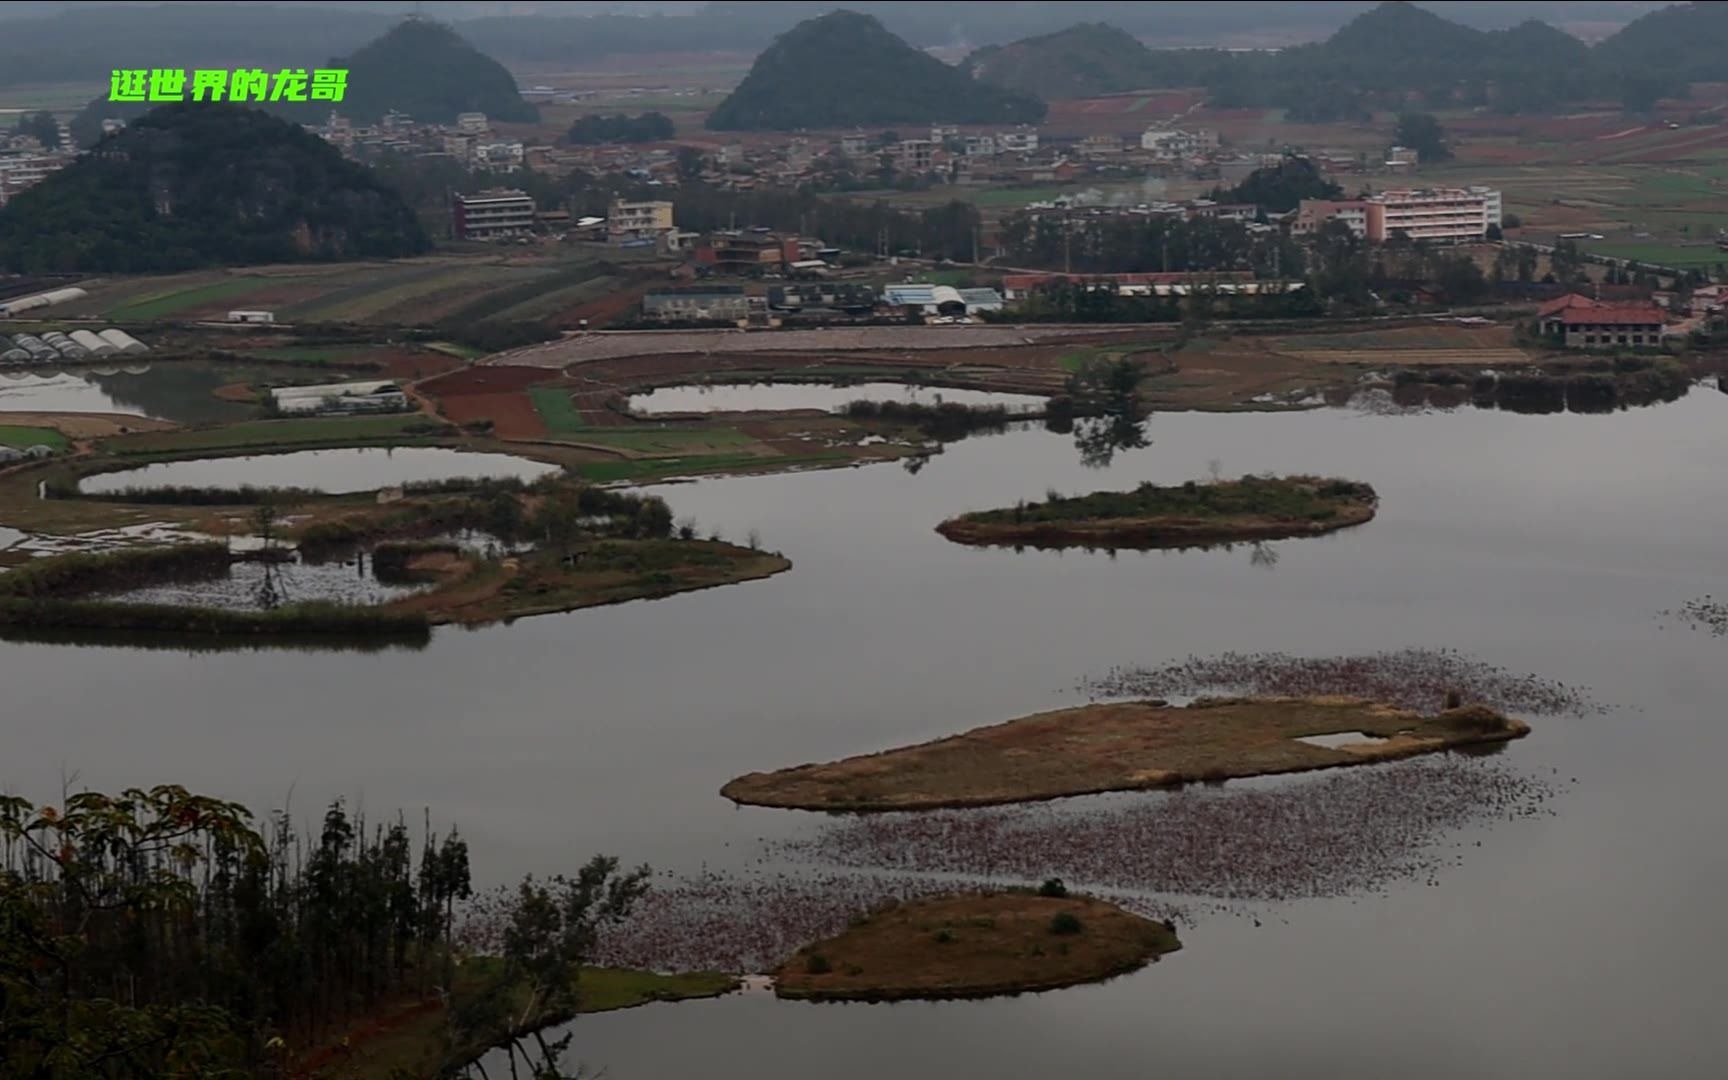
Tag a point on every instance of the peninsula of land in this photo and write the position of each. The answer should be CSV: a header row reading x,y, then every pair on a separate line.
x,y
1123,746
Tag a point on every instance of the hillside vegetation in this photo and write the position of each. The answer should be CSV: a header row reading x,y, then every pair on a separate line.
x,y
425,69
843,70
198,185
1080,62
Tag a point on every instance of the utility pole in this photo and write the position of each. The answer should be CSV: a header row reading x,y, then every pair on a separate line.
x,y
1067,243
975,231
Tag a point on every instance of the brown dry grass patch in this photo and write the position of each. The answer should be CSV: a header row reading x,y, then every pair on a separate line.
x,y
75,425
973,945
1119,746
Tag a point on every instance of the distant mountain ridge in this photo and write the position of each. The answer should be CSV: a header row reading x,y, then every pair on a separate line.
x,y
1393,56
843,70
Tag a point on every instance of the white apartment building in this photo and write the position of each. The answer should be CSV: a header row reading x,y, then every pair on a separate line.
x,y
1171,143
1018,142
1445,215
498,156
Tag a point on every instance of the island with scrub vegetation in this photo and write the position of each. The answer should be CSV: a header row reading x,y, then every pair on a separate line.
x,y
460,551
971,945
1124,746
1181,515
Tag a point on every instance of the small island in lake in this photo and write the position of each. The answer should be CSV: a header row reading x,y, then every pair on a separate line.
x,y
1124,746
1182,515
975,945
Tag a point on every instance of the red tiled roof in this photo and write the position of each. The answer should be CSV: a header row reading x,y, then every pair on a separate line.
x,y
1562,303
1612,316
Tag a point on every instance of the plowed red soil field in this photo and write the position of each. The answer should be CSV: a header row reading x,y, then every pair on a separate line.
x,y
512,413
491,393
486,380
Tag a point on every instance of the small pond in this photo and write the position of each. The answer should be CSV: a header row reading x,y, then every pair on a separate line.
x,y
1337,739
181,391
829,397
337,472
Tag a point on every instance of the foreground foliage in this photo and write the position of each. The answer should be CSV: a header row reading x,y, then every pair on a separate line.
x,y
161,933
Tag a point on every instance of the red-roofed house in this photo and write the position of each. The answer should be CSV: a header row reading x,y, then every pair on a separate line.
x,y
1603,326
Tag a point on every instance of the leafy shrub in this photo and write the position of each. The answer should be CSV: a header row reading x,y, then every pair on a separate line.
x,y
1065,923
943,937
1053,888
817,964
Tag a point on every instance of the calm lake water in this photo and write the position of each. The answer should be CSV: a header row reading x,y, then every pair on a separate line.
x,y
180,391
768,397
333,471
1580,945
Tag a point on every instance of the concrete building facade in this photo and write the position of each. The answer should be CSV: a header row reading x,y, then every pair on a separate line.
x,y
489,215
632,223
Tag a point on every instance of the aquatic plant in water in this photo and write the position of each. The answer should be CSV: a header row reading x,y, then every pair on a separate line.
x,y
1416,679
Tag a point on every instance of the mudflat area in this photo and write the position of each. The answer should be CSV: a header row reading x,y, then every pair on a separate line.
x,y
974,945
1123,746
1252,508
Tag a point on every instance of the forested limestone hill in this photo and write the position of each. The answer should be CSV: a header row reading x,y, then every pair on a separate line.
x,y
194,185
843,70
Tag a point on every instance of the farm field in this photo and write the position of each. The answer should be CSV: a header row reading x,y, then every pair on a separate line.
x,y
62,99
470,288
273,433
556,410
1667,214
19,437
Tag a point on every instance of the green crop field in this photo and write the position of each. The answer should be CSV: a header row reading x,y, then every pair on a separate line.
x,y
556,410
21,438
163,306
652,468
669,440
1659,254
333,431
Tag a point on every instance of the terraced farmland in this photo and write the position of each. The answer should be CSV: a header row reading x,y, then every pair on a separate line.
x,y
410,292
